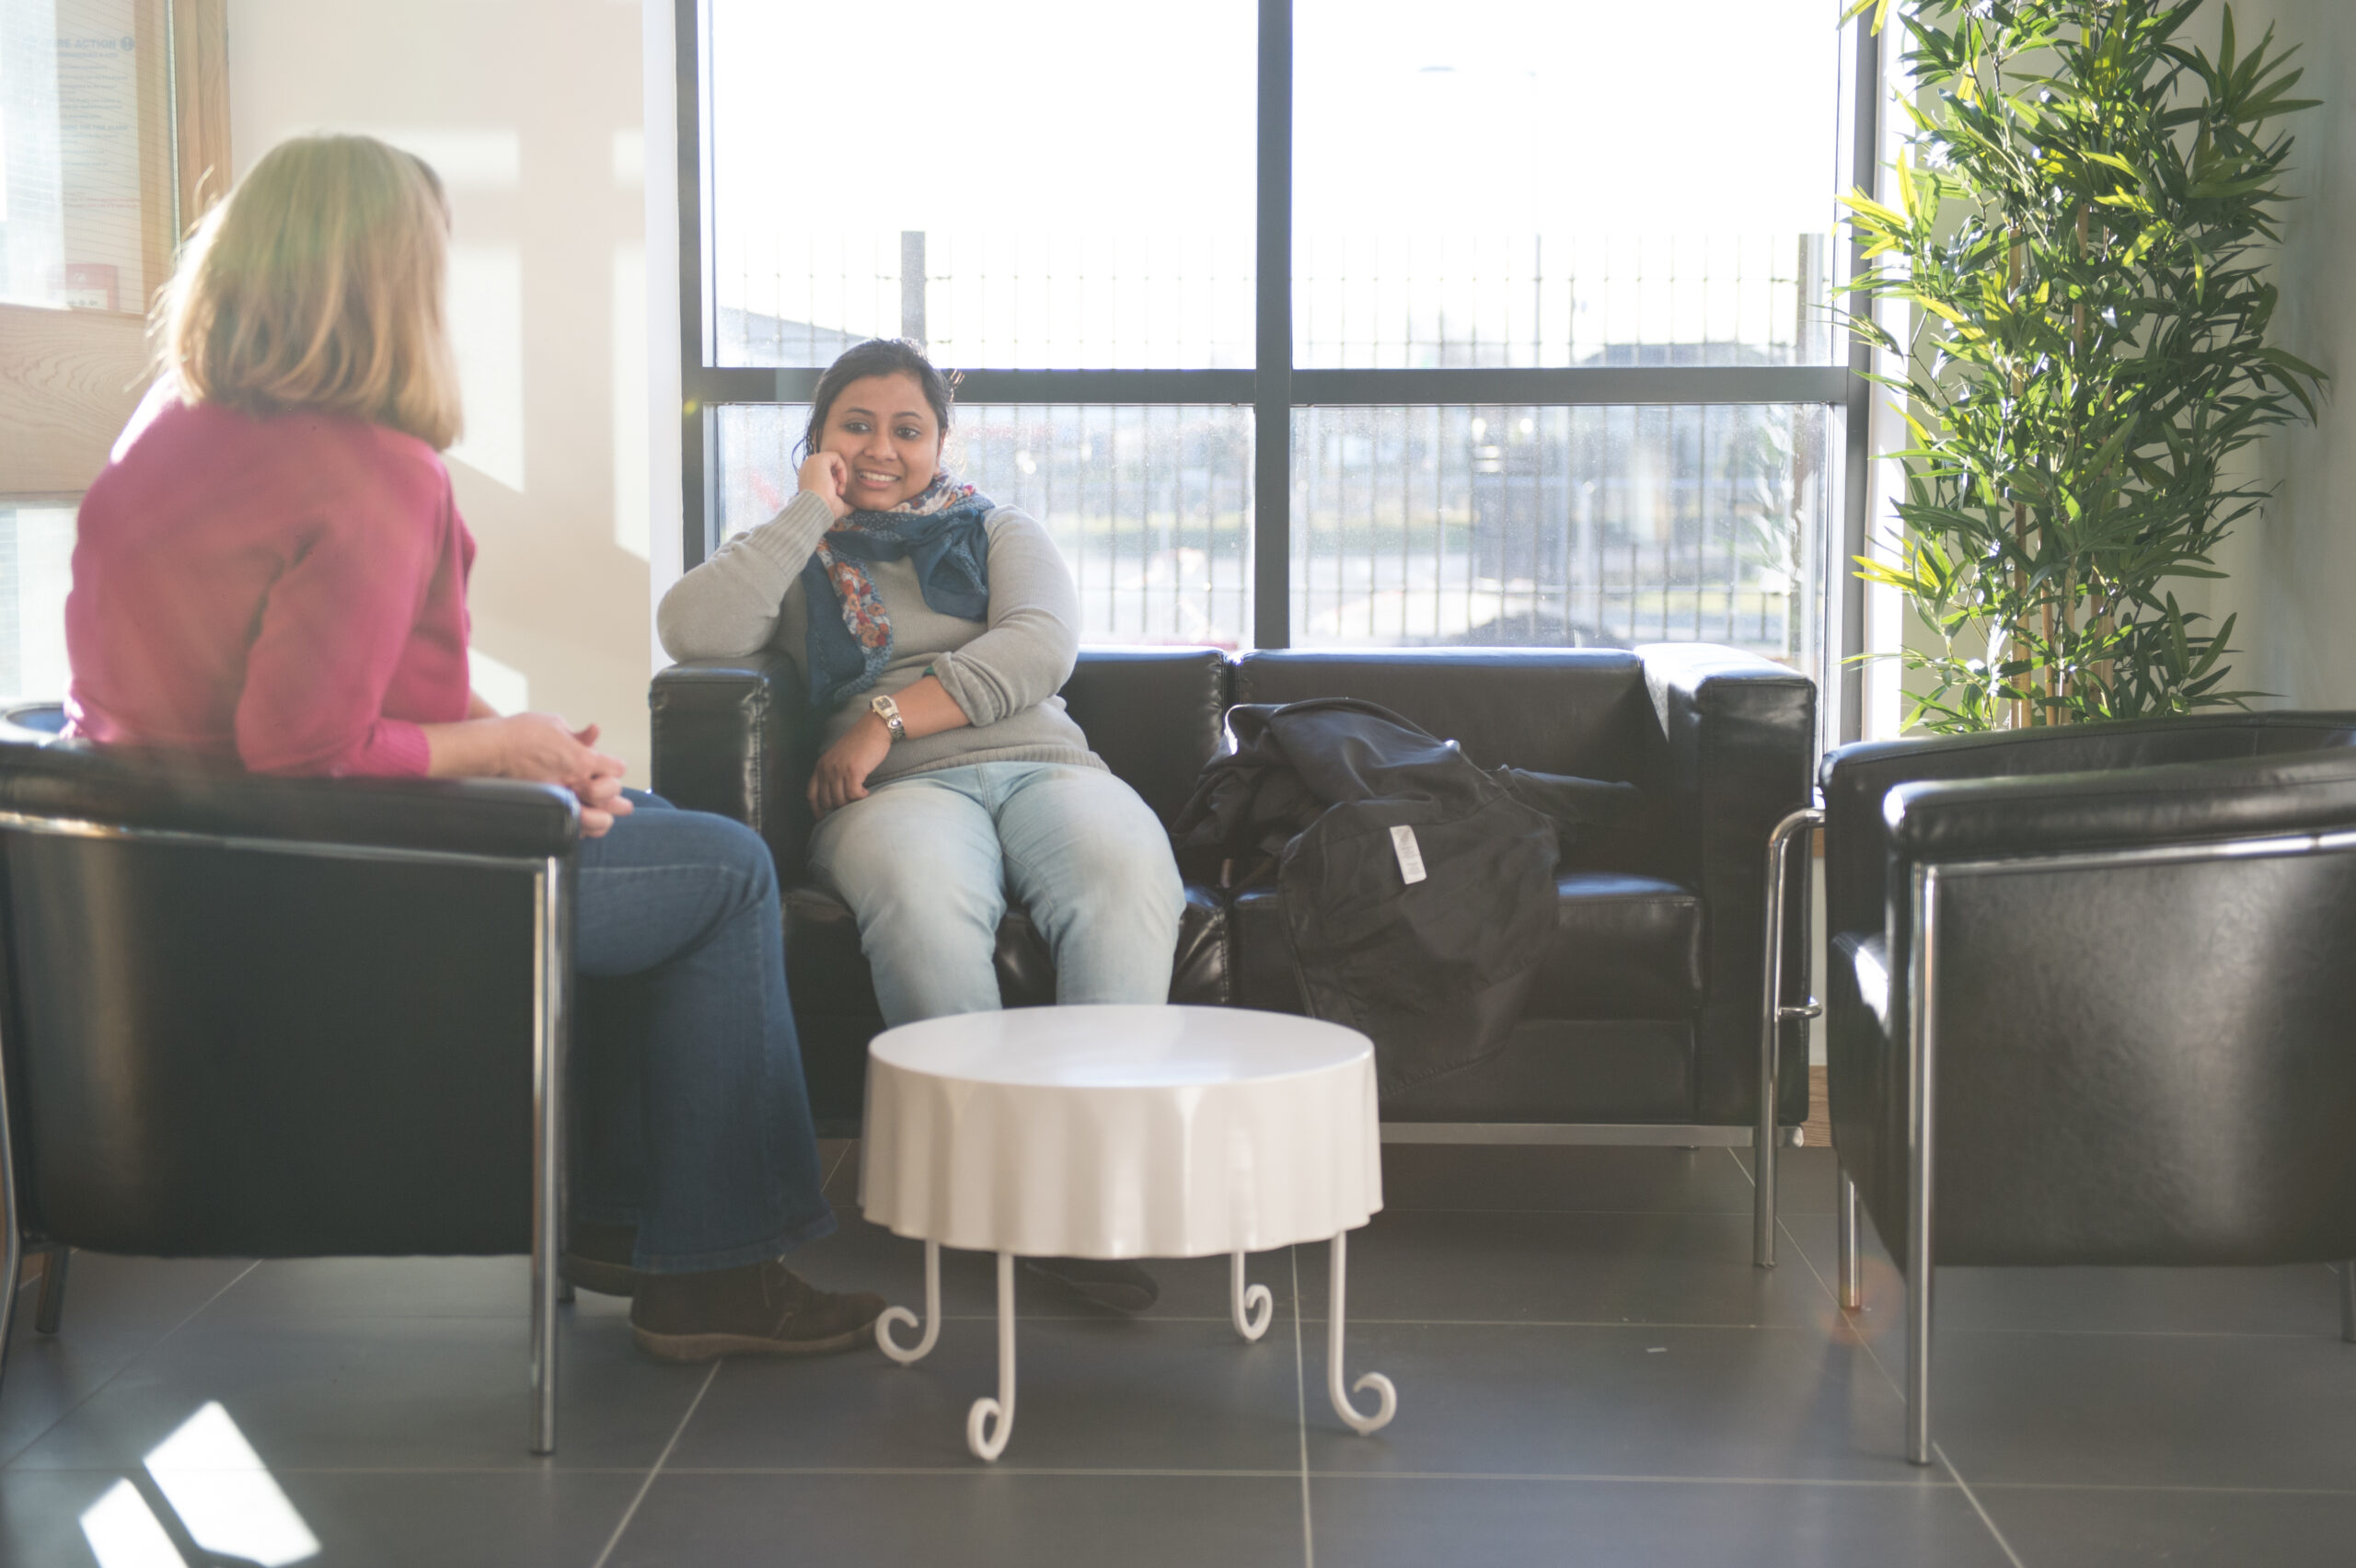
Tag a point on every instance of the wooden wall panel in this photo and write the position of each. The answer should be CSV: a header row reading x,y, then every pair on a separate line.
x,y
69,380
201,71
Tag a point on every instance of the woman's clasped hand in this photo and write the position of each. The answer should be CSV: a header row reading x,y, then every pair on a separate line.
x,y
544,748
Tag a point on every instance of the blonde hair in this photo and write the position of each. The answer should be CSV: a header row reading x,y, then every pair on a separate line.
x,y
317,283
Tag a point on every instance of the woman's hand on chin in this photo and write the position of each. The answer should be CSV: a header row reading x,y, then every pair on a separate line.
x,y
840,776
827,475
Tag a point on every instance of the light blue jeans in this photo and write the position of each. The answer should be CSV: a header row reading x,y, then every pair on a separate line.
x,y
927,864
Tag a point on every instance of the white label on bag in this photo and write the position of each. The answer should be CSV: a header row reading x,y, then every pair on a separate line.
x,y
1411,858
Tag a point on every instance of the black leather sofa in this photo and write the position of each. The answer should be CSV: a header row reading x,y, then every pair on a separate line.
x,y
1645,1026
2089,1001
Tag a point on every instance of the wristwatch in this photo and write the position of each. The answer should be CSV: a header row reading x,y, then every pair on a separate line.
x,y
883,708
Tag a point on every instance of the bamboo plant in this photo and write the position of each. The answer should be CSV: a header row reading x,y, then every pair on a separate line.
x,y
2081,218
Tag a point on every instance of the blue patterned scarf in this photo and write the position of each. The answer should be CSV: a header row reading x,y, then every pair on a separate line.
x,y
941,531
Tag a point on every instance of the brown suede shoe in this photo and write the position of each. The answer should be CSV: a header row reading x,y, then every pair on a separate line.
x,y
759,1309
597,1258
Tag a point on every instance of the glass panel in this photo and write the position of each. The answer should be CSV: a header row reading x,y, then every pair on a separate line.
x,y
1150,506
1563,182
85,193
1581,527
35,569
1052,183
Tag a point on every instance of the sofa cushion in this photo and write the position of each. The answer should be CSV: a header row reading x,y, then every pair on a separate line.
x,y
1624,947
1584,711
1155,715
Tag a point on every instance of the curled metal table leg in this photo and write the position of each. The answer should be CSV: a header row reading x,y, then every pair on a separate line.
x,y
1386,1397
991,1422
1252,1307
932,1324
1847,1278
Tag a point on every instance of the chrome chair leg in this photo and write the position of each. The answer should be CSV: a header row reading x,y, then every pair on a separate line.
x,y
1772,1016
552,1007
12,1235
51,1307
1922,1162
1848,1278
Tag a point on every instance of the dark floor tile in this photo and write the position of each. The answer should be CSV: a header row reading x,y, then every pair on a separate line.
x,y
110,1293
1610,1268
1414,1524
1806,1179
860,1256
838,1169
973,1519
371,1520
1735,1403
2146,1410
2067,1527
398,1392
1573,1177
47,1376
2300,1299
1147,1394
115,1309
305,1289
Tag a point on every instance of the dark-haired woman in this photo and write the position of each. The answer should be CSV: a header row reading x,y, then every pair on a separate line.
x,y
935,628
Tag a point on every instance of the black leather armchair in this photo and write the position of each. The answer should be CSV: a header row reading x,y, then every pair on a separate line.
x,y
252,1017
2089,998
1645,1027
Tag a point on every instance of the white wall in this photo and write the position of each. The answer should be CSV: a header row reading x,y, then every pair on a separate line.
x,y
2293,568
531,111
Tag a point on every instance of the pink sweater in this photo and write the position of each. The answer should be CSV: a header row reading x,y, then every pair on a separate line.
x,y
288,593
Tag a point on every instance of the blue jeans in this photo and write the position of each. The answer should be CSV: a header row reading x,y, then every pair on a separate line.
x,y
927,863
691,1120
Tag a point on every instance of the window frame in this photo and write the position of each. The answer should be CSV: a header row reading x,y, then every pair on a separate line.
x,y
1275,388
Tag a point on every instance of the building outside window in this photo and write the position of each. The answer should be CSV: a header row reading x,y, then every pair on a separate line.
x,y
1314,323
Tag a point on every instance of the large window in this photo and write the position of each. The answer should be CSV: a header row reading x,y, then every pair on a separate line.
x,y
1313,322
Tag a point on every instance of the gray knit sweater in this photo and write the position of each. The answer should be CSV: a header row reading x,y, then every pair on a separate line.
x,y
1003,672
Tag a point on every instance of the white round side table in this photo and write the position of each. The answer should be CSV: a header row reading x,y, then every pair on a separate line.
x,y
1121,1131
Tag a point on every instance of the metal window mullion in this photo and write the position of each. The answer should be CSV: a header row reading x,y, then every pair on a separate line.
x,y
1272,401
1864,173
694,79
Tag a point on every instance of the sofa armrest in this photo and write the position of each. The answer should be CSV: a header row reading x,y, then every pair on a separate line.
x,y
171,792
734,737
1857,778
2061,813
1740,735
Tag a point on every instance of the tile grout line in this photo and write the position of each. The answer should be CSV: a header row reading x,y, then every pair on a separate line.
x,y
836,1168
1300,1411
1825,1286
660,1461
1970,1496
1948,1465
129,1362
